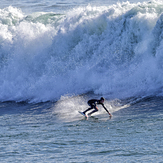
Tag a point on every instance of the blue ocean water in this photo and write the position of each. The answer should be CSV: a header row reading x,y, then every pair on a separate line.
x,y
56,55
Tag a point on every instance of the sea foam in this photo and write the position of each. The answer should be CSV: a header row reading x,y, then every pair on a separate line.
x,y
113,50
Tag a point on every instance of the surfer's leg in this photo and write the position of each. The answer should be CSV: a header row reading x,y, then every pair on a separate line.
x,y
88,108
95,110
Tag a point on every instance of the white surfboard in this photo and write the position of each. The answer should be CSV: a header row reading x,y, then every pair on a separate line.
x,y
83,114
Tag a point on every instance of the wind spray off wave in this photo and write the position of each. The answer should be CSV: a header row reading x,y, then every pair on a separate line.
x,y
113,50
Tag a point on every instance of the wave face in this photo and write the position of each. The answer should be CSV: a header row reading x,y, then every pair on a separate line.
x,y
116,51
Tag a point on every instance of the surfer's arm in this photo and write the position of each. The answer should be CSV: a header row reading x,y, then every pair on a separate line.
x,y
106,110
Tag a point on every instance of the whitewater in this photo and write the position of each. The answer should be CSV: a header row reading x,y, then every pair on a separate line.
x,y
56,55
113,50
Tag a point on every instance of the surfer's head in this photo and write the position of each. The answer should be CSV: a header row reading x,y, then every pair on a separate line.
x,y
102,99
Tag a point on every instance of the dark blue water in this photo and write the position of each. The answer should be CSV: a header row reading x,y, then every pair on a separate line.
x,y
36,133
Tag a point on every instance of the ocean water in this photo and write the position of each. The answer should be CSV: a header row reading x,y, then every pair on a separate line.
x,y
56,55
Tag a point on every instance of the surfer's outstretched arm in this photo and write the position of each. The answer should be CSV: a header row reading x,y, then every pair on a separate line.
x,y
106,110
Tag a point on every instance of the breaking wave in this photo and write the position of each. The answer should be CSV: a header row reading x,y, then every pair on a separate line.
x,y
115,50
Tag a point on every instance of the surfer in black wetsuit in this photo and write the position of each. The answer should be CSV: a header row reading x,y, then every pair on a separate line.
x,y
92,103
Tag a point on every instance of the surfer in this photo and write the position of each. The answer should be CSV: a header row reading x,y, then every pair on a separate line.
x,y
92,103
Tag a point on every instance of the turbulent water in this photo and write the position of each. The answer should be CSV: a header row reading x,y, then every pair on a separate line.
x,y
54,56
111,50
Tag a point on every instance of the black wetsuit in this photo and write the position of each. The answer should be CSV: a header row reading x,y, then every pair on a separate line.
x,y
92,103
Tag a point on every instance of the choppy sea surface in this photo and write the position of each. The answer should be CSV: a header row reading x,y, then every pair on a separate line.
x,y
56,55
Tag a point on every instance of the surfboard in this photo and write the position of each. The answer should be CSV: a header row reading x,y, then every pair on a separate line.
x,y
83,114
